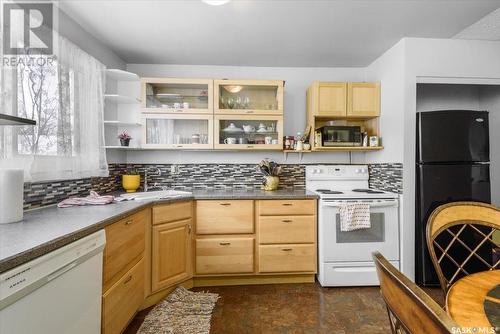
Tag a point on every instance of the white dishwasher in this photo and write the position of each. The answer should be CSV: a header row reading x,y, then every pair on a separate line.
x,y
57,293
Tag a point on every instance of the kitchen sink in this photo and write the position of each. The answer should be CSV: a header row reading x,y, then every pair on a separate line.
x,y
151,195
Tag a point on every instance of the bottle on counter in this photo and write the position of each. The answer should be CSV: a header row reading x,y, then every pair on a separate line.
x,y
287,142
317,139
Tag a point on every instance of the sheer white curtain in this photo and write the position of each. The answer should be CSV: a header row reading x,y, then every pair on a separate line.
x,y
66,98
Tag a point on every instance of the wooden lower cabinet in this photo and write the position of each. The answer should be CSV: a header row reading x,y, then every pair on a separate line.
x,y
171,254
286,207
124,244
122,300
225,255
286,229
287,258
224,217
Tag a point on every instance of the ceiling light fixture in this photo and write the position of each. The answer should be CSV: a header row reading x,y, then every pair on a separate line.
x,y
233,89
215,2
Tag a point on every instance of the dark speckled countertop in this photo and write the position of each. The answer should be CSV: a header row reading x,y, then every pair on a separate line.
x,y
46,229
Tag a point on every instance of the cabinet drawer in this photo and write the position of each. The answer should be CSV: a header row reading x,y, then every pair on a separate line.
x,y
286,229
287,258
124,243
122,300
224,217
224,255
172,212
287,207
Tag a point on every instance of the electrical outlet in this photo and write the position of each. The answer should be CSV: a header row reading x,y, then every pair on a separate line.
x,y
174,169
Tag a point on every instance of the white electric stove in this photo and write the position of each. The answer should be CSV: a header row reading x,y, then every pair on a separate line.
x,y
345,258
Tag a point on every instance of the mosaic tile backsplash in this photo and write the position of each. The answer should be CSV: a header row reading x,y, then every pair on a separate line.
x,y
388,177
193,176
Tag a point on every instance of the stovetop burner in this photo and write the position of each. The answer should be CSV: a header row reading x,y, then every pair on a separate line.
x,y
367,191
329,192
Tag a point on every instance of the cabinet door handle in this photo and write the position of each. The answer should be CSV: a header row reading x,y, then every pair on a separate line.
x,y
249,146
225,204
287,220
249,111
224,243
128,222
189,228
128,279
286,249
179,146
287,204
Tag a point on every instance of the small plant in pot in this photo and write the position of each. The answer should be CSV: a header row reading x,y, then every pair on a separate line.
x,y
124,138
271,171
131,180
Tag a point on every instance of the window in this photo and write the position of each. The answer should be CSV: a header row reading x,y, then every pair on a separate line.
x,y
39,98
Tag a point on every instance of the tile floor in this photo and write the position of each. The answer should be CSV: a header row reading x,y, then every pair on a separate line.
x,y
295,308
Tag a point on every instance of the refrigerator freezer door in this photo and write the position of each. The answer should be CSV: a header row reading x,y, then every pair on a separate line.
x,y
452,136
437,185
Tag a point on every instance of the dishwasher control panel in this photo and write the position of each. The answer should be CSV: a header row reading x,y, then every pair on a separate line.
x,y
43,269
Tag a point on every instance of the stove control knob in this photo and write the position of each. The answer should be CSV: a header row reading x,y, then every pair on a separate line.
x,y
358,171
317,171
363,171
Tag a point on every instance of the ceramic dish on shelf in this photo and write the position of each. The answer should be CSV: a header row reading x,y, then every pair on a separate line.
x,y
232,128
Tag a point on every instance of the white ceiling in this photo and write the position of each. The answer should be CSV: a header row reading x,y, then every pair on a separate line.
x,y
269,33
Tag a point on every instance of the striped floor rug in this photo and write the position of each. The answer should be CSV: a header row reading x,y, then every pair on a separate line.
x,y
182,312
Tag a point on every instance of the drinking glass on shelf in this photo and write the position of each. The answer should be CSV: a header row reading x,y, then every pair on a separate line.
x,y
246,102
177,138
204,138
230,103
223,102
238,103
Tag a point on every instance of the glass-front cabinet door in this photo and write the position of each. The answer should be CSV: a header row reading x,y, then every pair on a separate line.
x,y
247,132
173,95
177,131
264,97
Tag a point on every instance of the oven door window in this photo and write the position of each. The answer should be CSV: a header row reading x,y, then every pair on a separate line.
x,y
376,233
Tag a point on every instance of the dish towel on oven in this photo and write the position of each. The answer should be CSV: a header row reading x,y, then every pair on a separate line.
x,y
354,216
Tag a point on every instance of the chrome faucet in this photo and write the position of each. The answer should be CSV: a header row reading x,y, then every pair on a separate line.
x,y
158,173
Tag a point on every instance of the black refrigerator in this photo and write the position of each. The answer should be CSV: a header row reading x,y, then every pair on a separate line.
x,y
452,164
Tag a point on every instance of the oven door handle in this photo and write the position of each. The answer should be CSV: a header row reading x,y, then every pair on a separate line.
x,y
383,204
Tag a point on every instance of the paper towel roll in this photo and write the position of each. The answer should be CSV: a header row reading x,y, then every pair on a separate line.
x,y
11,195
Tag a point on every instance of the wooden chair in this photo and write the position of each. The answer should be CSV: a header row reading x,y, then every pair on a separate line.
x,y
410,309
461,240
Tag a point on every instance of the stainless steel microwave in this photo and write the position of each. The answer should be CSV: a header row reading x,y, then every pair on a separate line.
x,y
333,135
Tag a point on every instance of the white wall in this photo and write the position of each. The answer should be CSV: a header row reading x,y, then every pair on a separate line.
x,y
489,99
389,70
87,42
296,82
420,59
447,96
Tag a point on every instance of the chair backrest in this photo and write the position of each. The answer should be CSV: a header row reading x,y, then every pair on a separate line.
x,y
463,238
410,309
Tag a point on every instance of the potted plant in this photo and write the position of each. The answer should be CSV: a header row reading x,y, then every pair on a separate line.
x,y
124,138
131,180
271,171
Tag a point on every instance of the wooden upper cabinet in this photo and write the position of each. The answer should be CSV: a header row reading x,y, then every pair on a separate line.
x,y
363,99
343,100
177,95
171,254
331,99
244,97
